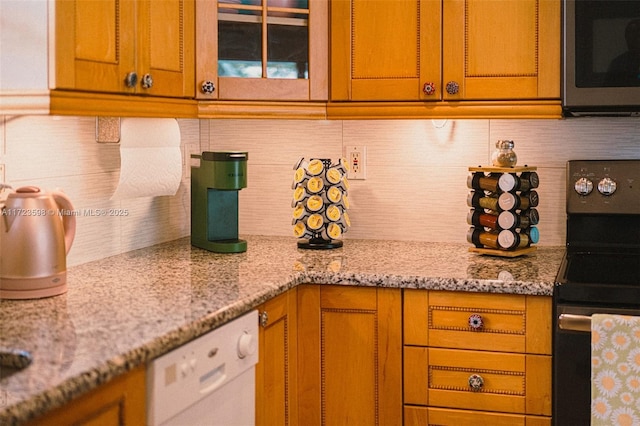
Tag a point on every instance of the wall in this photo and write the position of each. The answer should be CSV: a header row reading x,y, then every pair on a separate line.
x,y
415,187
61,153
416,172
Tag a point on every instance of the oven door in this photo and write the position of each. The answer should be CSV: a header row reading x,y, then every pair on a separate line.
x,y
572,361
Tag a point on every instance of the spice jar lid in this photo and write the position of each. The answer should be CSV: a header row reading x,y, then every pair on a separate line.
x,y
507,220
507,239
505,144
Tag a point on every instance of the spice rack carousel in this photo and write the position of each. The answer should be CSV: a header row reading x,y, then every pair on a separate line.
x,y
503,211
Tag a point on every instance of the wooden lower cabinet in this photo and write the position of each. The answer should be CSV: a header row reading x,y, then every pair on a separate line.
x,y
276,371
502,382
350,355
120,402
476,358
421,416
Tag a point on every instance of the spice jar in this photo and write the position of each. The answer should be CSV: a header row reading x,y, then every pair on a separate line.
x,y
481,238
480,218
510,182
504,156
510,201
480,181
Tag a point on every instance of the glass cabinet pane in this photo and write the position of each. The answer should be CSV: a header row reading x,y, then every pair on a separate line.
x,y
243,35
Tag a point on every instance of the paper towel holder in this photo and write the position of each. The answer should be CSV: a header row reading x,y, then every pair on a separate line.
x,y
108,129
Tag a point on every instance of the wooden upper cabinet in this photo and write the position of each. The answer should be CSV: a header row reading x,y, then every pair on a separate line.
x,y
502,49
384,50
262,50
389,50
99,43
167,39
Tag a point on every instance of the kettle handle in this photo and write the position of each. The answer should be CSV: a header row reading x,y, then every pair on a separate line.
x,y
68,218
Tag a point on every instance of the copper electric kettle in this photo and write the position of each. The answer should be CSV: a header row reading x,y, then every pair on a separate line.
x,y
36,233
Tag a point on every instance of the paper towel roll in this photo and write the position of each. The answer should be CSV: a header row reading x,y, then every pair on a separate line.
x,y
150,158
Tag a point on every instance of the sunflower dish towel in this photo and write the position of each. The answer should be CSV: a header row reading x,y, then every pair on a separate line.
x,y
615,370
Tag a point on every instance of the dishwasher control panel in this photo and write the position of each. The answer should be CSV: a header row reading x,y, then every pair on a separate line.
x,y
200,368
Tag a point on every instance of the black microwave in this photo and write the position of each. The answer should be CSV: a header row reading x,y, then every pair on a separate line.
x,y
601,57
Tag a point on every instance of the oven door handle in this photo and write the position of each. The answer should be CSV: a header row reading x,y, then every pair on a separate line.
x,y
574,322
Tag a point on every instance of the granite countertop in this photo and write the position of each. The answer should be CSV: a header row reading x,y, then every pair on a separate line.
x,y
125,310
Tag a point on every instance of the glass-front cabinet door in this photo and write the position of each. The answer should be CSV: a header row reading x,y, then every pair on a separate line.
x,y
263,50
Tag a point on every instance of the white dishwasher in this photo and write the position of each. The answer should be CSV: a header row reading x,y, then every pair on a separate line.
x,y
209,381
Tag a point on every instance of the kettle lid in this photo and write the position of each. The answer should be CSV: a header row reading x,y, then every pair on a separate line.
x,y
28,190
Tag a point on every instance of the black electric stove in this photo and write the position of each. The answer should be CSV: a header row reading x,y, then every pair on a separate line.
x,y
600,273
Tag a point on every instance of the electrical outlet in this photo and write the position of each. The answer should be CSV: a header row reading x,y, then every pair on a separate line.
x,y
357,157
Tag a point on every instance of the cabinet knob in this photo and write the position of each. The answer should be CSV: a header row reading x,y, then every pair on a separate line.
x,y
452,87
131,80
476,382
429,88
264,318
207,87
147,81
476,322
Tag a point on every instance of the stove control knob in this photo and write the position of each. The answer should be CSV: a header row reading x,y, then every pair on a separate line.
x,y
583,186
607,186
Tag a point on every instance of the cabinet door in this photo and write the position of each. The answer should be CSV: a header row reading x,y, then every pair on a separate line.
x,y
502,49
95,45
166,34
262,50
276,380
118,402
385,50
350,365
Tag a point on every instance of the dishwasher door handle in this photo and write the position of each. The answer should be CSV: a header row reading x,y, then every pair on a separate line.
x,y
574,322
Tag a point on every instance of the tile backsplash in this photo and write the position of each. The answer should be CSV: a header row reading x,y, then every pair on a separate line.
x,y
416,172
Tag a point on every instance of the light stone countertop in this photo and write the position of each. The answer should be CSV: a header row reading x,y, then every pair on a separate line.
x,y
125,310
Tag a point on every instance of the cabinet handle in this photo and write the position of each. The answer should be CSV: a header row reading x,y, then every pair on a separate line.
x,y
207,87
147,81
429,89
452,87
264,318
476,382
476,322
131,80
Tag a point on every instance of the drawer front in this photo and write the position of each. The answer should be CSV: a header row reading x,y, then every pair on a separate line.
x,y
488,381
421,416
494,322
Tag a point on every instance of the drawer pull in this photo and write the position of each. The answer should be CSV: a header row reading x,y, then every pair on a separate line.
x,y
476,322
476,382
